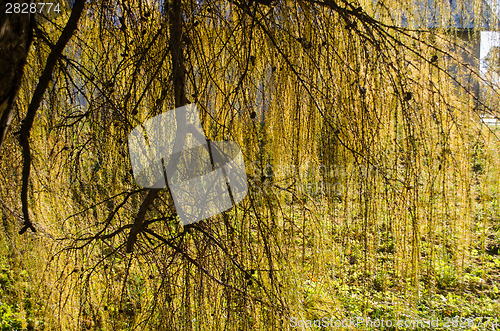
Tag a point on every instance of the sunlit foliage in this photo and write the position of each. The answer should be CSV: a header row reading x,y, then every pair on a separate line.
x,y
369,168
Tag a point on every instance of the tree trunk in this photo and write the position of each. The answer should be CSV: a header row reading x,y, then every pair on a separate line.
x,y
15,40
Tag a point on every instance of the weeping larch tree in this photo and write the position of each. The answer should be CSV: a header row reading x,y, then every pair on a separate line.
x,y
370,173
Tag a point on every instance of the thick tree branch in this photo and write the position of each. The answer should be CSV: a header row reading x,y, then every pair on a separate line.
x,y
139,219
174,12
36,100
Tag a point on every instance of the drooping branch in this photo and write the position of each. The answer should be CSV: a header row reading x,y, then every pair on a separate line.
x,y
178,65
174,12
36,100
193,261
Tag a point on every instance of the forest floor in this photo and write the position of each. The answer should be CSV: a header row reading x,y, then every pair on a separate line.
x,y
459,298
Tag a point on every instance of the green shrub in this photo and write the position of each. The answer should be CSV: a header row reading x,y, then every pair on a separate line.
x,y
9,320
